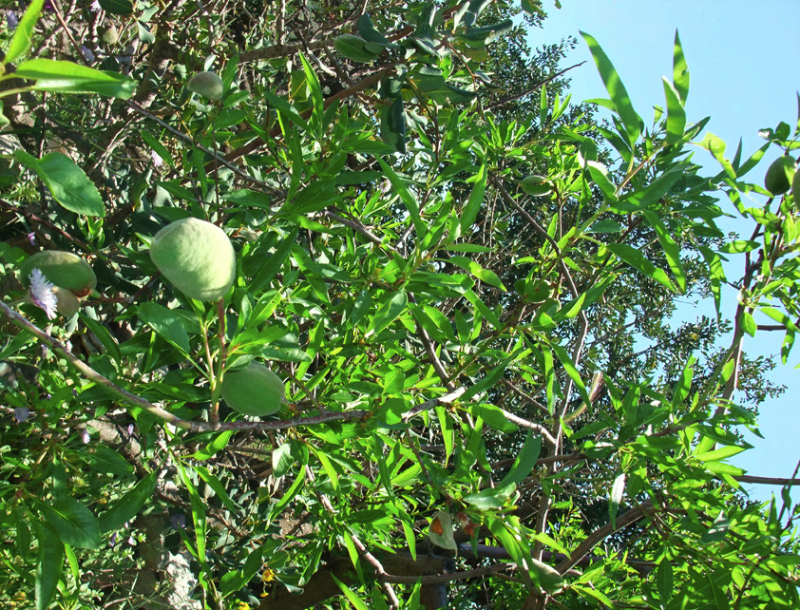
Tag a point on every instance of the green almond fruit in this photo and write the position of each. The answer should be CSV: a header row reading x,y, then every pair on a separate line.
x,y
253,390
207,84
63,269
796,188
537,186
779,175
196,257
67,304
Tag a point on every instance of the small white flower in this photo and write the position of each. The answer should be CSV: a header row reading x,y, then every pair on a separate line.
x,y
96,6
85,437
42,295
157,160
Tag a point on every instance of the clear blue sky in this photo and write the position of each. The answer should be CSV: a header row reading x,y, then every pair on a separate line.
x,y
744,60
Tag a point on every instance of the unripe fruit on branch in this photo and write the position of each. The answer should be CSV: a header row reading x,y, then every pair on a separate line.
x,y
63,269
253,390
796,188
777,180
207,84
67,304
196,257
537,186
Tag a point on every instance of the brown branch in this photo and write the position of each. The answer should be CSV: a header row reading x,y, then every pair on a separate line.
x,y
600,534
746,478
433,402
535,87
191,426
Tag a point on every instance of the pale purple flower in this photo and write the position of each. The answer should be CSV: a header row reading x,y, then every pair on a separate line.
x,y
131,541
113,540
96,6
12,20
21,414
130,430
87,54
85,437
32,238
157,160
42,295
178,521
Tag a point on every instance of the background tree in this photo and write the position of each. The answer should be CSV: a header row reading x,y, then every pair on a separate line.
x,y
463,282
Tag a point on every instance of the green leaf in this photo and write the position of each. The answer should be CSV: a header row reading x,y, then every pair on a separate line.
x,y
470,212
490,498
282,460
67,182
166,323
637,260
76,525
440,531
572,371
216,485
406,197
680,71
103,335
327,466
388,312
716,147
676,115
493,416
21,42
615,498
616,90
117,7
664,580
351,597
549,578
672,251
719,454
748,323
717,273
285,108
485,275
608,188
393,125
218,444
68,77
157,147
316,93
129,505
48,565
273,264
525,461
105,459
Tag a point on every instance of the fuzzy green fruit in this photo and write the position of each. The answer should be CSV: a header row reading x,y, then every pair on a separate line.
x,y
253,390
196,257
67,303
537,186
777,180
63,269
796,188
207,84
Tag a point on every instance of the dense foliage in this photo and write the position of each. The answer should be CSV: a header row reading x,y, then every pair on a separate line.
x,y
463,281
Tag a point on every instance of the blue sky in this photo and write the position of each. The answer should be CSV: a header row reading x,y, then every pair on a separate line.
x,y
744,60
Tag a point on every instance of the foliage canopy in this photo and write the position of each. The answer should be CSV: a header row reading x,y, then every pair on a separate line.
x,y
485,404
